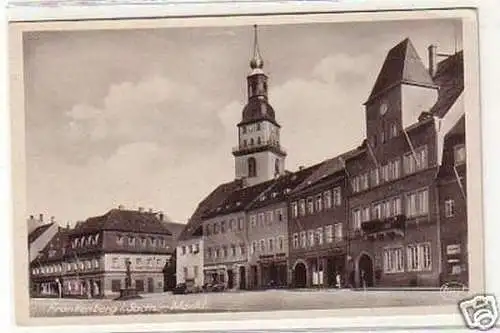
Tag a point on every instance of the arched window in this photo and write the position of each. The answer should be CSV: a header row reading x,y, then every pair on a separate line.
x,y
252,167
277,167
259,141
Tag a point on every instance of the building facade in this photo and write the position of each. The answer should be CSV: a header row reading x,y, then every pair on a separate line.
x,y
389,213
89,260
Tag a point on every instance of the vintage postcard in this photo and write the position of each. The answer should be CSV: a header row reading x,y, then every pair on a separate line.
x,y
244,167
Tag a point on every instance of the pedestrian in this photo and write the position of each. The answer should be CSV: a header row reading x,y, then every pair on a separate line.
x,y
338,280
363,279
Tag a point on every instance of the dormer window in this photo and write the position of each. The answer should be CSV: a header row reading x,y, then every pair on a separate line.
x,y
119,240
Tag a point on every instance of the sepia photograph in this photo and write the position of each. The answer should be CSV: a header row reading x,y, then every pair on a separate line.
x,y
252,165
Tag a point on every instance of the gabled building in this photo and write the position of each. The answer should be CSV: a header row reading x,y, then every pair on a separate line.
x,y
393,195
40,234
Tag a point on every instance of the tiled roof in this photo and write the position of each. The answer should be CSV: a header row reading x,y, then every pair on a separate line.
x,y
327,168
402,65
38,232
58,245
123,220
212,200
283,186
239,199
450,79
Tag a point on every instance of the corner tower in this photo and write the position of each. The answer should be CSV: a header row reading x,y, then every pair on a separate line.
x,y
258,156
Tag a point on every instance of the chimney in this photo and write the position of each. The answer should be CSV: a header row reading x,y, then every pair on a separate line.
x,y
32,217
120,207
301,168
150,210
141,209
52,219
161,216
67,226
432,59
41,217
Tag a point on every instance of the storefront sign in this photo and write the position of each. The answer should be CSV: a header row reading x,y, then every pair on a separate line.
x,y
453,249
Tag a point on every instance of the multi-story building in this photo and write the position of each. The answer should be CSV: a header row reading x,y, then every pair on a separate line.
x,y
393,194
188,261
268,232
90,259
317,226
39,234
370,217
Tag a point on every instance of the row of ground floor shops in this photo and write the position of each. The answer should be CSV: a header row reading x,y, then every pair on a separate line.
x,y
96,286
335,270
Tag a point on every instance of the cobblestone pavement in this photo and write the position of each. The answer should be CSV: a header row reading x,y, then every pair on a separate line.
x,y
241,301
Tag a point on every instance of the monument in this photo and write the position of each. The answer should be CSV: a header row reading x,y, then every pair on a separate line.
x,y
128,292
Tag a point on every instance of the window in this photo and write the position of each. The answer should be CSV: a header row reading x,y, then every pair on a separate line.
x,y
295,241
196,248
303,239
138,261
394,171
223,227
244,129
364,184
195,271
281,243
224,251
279,214
385,173
375,177
119,240
258,126
245,143
413,162
217,252
259,140
393,130
327,195
329,233
242,249
254,247
295,210
417,203
377,211
459,154
252,165
355,184
337,197
231,225
365,215
209,252
131,240
419,257
318,203
269,217
319,236
153,241
216,228
183,250
253,221
393,260
207,230
310,205
338,232
271,244
356,219
233,250
240,223
302,207
311,237
449,208
262,245
261,218
185,269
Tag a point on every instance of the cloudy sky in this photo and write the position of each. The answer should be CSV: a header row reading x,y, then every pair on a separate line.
x,y
147,118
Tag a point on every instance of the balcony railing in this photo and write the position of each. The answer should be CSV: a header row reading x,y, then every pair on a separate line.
x,y
268,143
387,224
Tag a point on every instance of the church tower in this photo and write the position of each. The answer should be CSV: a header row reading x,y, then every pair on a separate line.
x,y
258,156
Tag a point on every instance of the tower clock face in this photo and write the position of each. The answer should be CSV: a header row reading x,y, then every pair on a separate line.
x,y
383,108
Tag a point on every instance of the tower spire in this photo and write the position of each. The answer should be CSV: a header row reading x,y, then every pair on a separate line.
x,y
256,62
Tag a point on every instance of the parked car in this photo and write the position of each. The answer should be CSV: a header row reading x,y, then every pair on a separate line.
x,y
214,287
179,289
